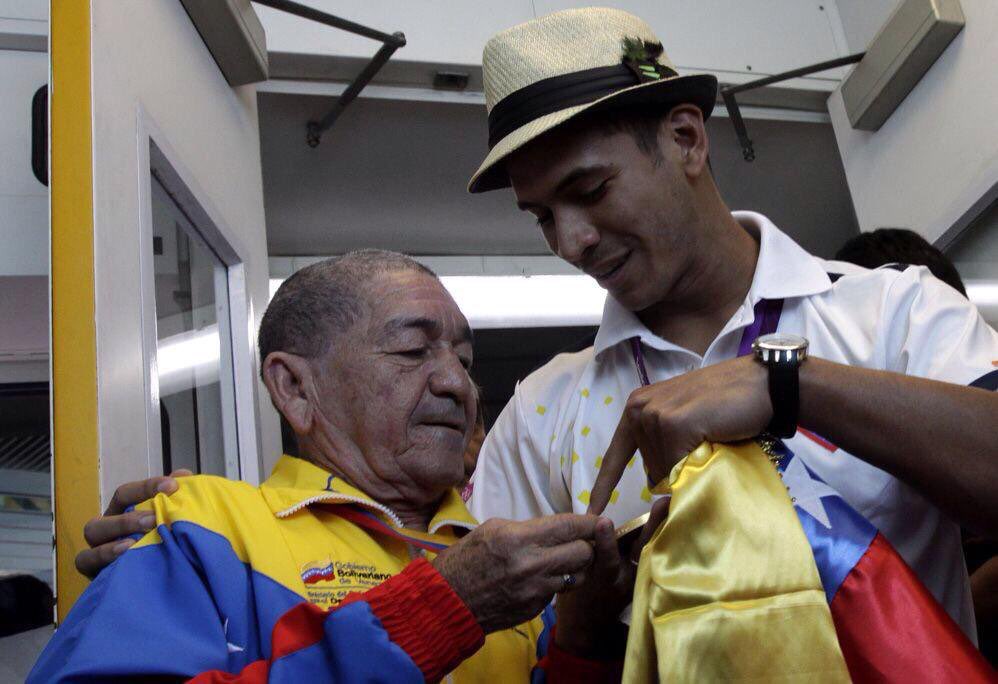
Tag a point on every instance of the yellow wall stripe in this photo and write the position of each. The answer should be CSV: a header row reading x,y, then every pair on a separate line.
x,y
74,344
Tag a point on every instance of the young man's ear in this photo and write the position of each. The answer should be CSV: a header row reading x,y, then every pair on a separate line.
x,y
686,127
288,378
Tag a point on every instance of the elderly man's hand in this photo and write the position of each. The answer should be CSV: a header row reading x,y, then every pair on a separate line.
x,y
106,534
507,572
589,617
667,420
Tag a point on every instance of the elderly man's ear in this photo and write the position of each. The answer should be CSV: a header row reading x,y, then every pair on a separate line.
x,y
291,384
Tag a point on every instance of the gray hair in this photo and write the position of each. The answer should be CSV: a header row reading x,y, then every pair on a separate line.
x,y
324,299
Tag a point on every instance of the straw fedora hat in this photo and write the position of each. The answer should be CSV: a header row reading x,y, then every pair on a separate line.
x,y
544,72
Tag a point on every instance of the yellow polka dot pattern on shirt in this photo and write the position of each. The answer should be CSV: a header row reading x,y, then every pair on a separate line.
x,y
575,457
584,496
585,392
599,462
645,494
541,409
608,400
586,430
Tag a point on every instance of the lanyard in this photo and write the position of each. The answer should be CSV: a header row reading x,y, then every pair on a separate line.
x,y
368,520
766,320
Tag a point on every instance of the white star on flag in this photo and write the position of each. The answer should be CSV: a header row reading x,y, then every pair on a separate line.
x,y
228,644
806,491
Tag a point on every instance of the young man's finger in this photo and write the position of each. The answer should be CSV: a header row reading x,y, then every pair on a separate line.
x,y
620,451
113,527
90,562
133,493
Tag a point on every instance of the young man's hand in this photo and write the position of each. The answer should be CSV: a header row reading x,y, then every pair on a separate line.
x,y
725,402
107,534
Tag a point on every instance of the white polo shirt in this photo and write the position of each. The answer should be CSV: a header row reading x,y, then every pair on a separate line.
x,y
543,452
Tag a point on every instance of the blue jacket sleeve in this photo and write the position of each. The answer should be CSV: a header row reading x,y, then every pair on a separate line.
x,y
153,612
187,606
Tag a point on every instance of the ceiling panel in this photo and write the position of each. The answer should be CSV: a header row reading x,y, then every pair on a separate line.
x,y
392,174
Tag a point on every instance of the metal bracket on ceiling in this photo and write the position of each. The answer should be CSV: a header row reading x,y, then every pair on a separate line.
x,y
728,95
389,44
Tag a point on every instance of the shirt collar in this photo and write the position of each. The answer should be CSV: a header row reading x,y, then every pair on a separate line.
x,y
784,270
296,484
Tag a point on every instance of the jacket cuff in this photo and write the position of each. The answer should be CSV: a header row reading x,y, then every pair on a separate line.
x,y
561,667
423,616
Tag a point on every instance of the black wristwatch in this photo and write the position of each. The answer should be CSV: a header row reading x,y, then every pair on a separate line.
x,y
782,354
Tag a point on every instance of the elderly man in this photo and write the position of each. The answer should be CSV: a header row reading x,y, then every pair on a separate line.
x,y
356,561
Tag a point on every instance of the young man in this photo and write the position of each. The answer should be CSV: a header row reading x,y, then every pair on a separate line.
x,y
605,144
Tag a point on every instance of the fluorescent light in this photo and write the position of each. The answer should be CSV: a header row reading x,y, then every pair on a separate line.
x,y
537,301
984,294
274,284
188,359
527,301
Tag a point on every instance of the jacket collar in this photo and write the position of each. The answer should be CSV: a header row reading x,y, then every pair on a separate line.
x,y
784,270
296,484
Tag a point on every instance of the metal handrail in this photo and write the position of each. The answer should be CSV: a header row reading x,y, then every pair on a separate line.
x,y
728,95
390,43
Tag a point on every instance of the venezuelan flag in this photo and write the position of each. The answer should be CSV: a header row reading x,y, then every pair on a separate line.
x,y
762,572
890,628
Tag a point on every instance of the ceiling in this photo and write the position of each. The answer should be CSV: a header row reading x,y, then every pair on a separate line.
x,y
392,174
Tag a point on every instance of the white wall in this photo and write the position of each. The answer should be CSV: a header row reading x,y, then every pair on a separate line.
x,y
24,25
937,155
861,19
24,328
23,199
150,65
734,38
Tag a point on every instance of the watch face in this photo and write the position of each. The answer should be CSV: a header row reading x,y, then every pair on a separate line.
x,y
781,342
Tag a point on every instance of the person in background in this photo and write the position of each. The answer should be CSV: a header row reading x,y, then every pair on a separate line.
x,y
900,246
356,560
885,246
25,603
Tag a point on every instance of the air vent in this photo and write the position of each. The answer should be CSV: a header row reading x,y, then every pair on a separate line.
x,y
450,80
902,52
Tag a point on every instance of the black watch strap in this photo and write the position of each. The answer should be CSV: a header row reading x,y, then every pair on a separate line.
x,y
784,393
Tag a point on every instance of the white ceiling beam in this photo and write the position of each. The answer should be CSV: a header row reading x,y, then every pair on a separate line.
x,y
387,92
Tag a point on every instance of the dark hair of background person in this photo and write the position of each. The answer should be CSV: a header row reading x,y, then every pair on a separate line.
x,y
899,246
25,603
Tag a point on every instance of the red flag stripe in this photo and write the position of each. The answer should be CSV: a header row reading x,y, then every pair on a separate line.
x,y
891,629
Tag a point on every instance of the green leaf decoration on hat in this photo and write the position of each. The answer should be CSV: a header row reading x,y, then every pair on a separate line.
x,y
641,57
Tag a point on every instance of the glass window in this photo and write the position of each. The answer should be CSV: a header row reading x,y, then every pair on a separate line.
x,y
193,349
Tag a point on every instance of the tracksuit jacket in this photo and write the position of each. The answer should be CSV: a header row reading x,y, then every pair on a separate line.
x,y
291,581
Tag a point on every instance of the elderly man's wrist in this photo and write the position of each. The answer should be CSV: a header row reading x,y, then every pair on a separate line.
x,y
423,615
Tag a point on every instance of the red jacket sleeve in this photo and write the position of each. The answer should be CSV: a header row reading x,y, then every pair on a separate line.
x,y
415,615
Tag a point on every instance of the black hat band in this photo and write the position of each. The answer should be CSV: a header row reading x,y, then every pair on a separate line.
x,y
561,92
